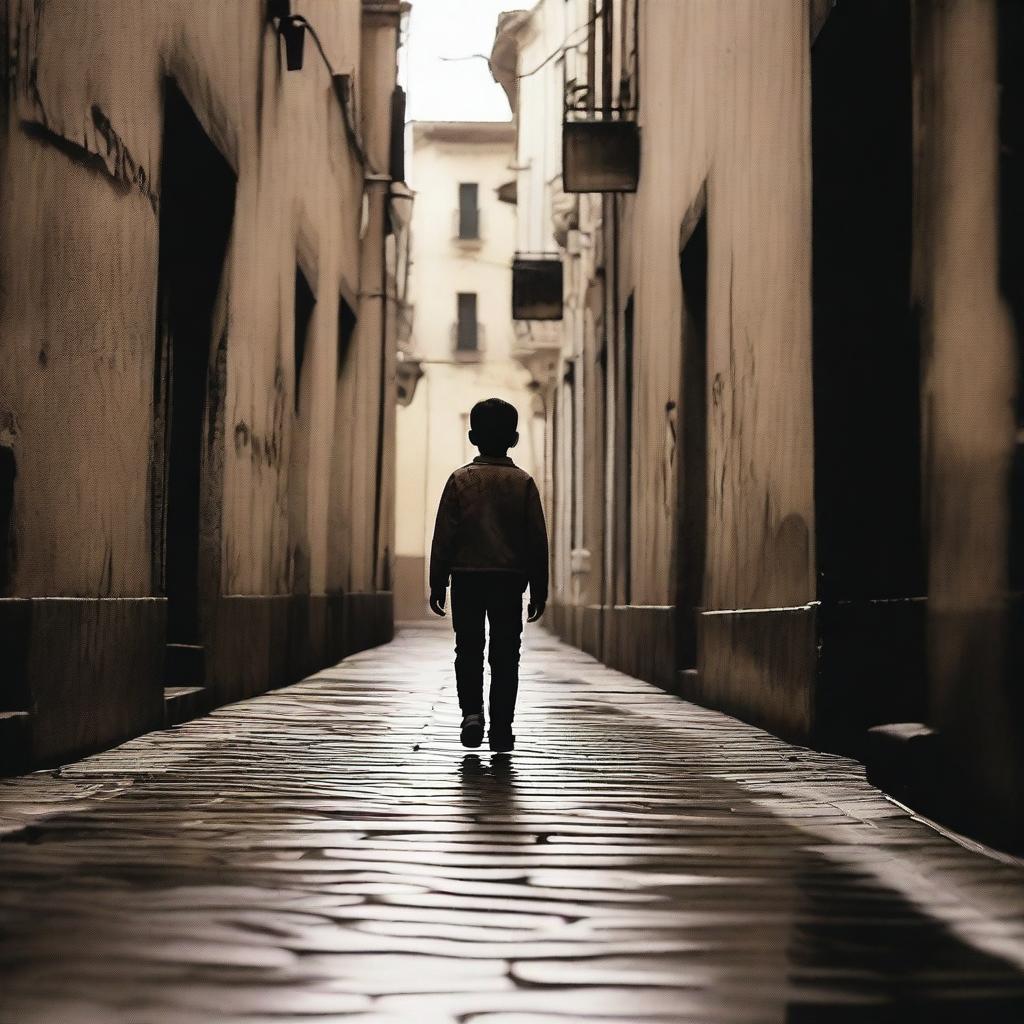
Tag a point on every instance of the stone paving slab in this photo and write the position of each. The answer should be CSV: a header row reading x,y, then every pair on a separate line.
x,y
329,852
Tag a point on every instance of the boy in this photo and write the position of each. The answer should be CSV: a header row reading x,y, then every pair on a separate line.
x,y
490,539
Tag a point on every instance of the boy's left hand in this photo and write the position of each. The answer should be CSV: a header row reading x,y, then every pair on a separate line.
x,y
437,602
534,611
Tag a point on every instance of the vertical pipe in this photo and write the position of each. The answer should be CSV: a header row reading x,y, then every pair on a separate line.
x,y
382,394
607,37
591,56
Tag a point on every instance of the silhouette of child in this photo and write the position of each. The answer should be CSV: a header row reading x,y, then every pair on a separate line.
x,y
490,540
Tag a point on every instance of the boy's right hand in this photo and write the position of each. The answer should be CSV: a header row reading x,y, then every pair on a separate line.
x,y
437,602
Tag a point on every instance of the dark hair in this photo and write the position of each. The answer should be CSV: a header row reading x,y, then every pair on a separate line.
x,y
494,420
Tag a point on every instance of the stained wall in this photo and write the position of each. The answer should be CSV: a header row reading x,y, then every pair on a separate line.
x,y
80,172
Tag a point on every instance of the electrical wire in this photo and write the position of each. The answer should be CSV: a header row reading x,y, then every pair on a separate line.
x,y
298,19
350,129
564,47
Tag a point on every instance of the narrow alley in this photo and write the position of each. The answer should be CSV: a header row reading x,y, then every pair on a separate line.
x,y
691,332
330,852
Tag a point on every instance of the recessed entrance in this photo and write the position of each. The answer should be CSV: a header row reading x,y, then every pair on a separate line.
x,y
866,364
692,443
197,199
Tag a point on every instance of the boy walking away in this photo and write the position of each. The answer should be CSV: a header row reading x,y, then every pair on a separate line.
x,y
490,540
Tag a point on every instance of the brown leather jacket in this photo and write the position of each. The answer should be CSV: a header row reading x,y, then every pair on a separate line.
x,y
490,518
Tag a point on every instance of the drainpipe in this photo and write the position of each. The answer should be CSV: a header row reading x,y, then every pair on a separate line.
x,y
381,25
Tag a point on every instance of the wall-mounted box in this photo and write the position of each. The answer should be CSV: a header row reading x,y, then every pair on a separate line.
x,y
537,288
600,155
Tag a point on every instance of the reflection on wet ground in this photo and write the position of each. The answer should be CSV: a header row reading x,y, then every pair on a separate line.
x,y
329,852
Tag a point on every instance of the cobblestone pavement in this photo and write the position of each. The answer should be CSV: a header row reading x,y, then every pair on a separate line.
x,y
329,852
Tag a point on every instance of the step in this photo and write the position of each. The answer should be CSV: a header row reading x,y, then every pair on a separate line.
x,y
184,665
687,683
15,742
904,759
183,703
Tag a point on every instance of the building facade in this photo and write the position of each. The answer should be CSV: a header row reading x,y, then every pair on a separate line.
x,y
196,367
782,400
462,336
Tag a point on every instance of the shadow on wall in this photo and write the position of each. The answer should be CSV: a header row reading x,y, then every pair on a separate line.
x,y
8,473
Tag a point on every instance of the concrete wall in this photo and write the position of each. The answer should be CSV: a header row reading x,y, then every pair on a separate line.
x,y
724,93
432,429
80,169
862,483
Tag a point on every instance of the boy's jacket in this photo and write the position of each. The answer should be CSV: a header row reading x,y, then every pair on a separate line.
x,y
490,518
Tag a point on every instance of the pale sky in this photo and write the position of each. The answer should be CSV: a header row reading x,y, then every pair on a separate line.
x,y
454,91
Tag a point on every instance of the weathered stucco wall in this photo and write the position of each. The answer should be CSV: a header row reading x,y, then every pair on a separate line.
x,y
853,491
724,106
80,166
81,268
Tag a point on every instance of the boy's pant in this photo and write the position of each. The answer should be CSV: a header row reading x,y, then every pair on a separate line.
x,y
499,597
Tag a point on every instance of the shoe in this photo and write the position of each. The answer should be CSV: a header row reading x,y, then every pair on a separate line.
x,y
472,730
501,741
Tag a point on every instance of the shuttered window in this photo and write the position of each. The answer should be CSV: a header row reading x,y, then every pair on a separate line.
x,y
466,338
469,211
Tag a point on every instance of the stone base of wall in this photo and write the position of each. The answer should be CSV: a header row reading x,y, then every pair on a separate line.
x,y
759,665
640,640
811,675
635,639
410,588
81,675
592,631
262,642
976,661
88,671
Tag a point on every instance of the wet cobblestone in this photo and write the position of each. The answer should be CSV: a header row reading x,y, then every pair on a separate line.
x,y
329,852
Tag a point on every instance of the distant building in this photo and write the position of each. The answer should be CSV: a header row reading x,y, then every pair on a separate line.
x,y
785,385
461,331
197,365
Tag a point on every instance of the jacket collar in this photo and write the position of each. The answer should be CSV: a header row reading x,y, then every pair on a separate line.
x,y
493,460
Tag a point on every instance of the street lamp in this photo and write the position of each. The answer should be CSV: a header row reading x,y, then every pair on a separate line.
x,y
292,27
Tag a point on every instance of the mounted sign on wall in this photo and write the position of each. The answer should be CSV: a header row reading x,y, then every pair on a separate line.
x,y
600,154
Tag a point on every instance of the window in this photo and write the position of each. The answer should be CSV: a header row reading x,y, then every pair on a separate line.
x,y
305,300
469,211
466,334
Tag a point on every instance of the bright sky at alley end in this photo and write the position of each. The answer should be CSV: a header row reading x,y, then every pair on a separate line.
x,y
463,90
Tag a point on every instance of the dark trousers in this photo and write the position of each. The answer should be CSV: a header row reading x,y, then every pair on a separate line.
x,y
498,596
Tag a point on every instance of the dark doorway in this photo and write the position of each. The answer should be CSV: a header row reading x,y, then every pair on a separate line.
x,y
298,463
305,300
866,356
197,199
346,328
625,458
692,443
